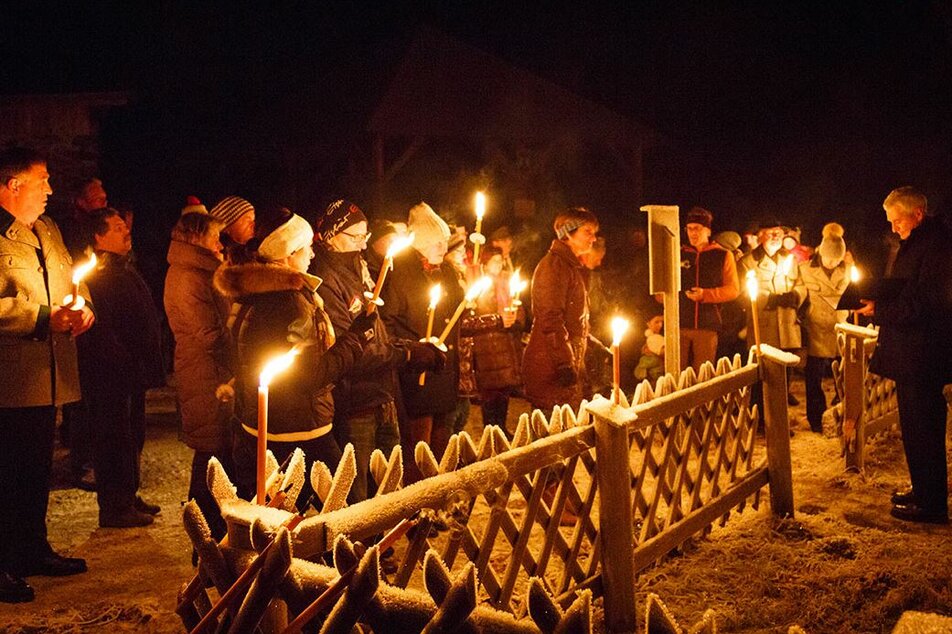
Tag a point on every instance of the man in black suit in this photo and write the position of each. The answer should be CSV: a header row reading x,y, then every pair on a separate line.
x,y
914,350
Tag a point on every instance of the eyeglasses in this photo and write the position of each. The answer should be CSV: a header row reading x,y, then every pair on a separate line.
x,y
358,237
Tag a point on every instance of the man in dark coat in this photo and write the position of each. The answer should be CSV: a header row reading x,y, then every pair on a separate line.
x,y
38,332
914,350
364,411
119,360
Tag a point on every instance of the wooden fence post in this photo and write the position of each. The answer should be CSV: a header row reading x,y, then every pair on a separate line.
x,y
615,523
777,428
854,396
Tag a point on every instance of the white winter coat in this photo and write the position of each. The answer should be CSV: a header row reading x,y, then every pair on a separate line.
x,y
820,317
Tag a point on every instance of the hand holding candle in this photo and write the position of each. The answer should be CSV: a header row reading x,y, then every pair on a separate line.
x,y
274,366
619,326
75,301
753,290
436,292
477,288
516,286
398,245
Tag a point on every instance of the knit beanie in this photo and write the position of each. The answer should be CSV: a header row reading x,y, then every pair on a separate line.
x,y
193,206
426,226
286,239
339,215
730,240
699,215
230,209
381,228
833,247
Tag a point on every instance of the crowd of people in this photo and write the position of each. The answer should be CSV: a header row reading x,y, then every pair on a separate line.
x,y
448,330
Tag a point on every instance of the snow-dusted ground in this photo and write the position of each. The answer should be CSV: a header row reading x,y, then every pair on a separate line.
x,y
843,564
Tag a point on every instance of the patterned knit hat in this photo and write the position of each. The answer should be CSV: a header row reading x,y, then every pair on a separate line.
x,y
230,209
427,227
339,215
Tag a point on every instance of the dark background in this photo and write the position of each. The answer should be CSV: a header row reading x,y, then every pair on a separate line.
x,y
808,112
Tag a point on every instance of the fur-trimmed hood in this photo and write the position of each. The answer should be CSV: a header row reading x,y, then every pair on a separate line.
x,y
242,280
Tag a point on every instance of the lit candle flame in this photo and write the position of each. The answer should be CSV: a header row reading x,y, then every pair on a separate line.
x,y
277,365
478,287
516,284
787,265
480,205
753,287
399,244
80,271
854,274
436,292
619,327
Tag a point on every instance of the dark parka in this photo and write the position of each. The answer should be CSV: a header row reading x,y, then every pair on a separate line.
x,y
406,299
560,328
122,352
198,317
917,321
371,382
278,308
39,366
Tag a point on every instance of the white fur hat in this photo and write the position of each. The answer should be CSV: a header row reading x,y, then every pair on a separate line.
x,y
294,234
427,227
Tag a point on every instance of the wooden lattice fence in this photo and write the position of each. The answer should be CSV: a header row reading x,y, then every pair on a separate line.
x,y
572,507
868,405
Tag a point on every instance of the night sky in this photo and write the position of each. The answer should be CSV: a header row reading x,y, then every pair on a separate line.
x,y
799,110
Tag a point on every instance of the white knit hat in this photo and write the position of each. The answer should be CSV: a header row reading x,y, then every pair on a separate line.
x,y
427,227
832,248
294,234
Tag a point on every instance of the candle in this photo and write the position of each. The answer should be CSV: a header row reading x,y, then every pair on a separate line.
x,y
619,326
854,278
79,273
398,245
786,267
753,290
516,286
477,237
436,291
271,368
478,287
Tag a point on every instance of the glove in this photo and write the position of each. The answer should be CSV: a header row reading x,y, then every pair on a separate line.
x,y
425,357
772,301
225,393
790,299
565,376
363,326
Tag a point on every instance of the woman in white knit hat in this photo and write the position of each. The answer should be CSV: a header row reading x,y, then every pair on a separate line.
x,y
279,307
406,294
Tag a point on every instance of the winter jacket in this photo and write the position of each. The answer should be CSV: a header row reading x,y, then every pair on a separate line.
x,y
820,316
779,297
279,308
204,359
916,322
371,381
39,366
406,295
559,333
714,270
122,352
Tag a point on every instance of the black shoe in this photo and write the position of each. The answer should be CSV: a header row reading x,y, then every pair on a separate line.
x,y
903,497
51,565
914,513
129,518
14,589
144,507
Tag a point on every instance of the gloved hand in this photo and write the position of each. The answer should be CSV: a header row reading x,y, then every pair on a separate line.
x,y
424,356
225,393
790,299
363,327
565,376
771,301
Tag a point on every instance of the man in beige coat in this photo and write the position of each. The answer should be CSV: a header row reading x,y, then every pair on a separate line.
x,y
38,354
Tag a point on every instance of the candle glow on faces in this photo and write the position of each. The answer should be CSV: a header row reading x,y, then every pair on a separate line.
x,y
75,301
272,367
619,327
753,290
398,245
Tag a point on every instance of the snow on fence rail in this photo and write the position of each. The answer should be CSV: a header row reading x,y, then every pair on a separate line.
x,y
868,404
574,506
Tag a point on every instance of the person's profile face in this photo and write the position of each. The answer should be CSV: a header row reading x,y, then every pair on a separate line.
x,y
117,238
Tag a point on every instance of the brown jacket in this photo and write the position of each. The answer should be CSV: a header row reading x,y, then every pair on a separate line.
x,y
559,329
39,367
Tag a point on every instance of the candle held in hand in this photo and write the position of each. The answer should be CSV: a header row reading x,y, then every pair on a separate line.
x,y
398,245
753,290
75,300
273,367
619,327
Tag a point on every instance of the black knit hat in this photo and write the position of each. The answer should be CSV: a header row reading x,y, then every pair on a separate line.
x,y
339,215
699,215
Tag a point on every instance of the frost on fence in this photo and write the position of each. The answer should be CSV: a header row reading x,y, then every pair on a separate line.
x,y
519,517
879,403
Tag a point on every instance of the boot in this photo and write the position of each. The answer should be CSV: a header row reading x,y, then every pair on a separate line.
x,y
126,518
